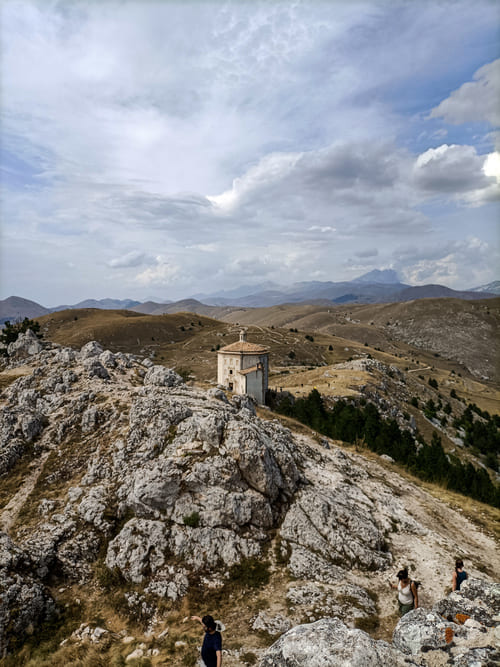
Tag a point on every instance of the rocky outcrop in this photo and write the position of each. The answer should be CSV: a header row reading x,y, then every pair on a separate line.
x,y
24,601
422,637
136,475
423,630
329,642
454,627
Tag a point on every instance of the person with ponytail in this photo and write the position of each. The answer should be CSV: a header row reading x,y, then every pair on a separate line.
x,y
459,576
407,592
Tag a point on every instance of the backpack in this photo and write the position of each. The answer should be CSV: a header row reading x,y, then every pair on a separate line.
x,y
417,584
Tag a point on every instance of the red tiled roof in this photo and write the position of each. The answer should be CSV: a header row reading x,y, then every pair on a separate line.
x,y
243,346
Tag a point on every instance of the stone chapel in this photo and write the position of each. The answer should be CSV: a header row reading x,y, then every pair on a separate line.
x,y
243,368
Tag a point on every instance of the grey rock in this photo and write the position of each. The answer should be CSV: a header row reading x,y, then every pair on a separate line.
x,y
91,349
140,547
159,376
95,369
107,359
90,419
487,656
482,592
218,393
24,601
26,345
336,525
327,643
273,625
244,402
92,507
422,629
456,603
267,465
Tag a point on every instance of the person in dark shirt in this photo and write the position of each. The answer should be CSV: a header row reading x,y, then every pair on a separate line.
x,y
459,576
211,651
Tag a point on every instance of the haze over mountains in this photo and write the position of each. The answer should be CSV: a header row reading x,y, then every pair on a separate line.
x,y
377,286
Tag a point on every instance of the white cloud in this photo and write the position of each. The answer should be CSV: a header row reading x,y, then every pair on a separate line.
x,y
476,100
159,276
323,230
453,170
460,264
120,117
131,259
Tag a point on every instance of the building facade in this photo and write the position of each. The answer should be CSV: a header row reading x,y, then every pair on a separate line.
x,y
243,368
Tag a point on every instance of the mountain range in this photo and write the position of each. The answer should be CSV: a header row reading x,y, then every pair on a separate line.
x,y
378,286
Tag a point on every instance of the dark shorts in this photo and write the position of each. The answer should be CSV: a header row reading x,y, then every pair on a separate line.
x,y
405,608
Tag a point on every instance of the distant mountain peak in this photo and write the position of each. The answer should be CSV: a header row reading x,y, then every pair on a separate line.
x,y
380,276
491,288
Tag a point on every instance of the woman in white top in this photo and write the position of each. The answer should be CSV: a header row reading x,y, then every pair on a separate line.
x,y
407,592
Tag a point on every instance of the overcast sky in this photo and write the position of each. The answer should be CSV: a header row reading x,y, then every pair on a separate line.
x,y
162,149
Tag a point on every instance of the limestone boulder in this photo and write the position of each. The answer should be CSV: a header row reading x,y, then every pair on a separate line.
x,y
273,625
91,349
26,345
141,547
483,656
333,526
423,630
482,593
329,642
24,601
159,376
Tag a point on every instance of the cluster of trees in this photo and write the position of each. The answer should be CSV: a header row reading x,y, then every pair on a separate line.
x,y
10,332
363,424
481,435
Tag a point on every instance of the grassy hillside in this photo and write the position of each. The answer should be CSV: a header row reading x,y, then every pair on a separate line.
x,y
464,332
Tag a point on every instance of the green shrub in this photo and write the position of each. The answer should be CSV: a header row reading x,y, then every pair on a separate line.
x,y
192,520
249,573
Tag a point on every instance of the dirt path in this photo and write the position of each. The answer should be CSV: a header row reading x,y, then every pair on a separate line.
x,y
10,512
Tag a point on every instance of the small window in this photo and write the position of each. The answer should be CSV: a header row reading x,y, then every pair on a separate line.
x,y
230,371
230,386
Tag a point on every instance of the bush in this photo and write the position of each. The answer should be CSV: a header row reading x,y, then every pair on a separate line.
x,y
433,383
291,354
185,373
192,520
250,573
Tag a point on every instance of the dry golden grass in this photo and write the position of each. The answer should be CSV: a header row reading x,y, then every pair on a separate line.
x,y
7,377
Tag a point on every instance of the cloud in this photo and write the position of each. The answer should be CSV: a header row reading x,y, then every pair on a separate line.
x,y
131,259
451,170
465,263
369,252
160,276
475,100
323,230
175,144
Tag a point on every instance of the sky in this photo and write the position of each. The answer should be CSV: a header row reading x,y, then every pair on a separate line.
x,y
160,149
